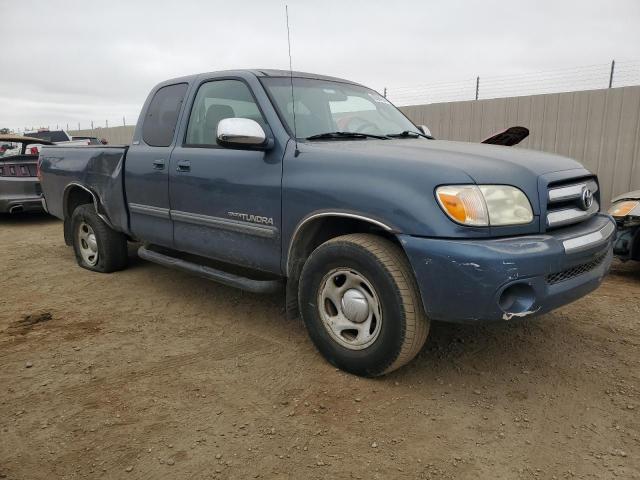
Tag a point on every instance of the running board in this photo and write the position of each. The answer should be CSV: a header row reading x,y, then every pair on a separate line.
x,y
226,278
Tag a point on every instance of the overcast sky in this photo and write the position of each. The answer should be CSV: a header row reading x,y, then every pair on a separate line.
x,y
69,62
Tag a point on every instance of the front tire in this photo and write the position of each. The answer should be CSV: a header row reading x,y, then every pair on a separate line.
x,y
97,247
361,305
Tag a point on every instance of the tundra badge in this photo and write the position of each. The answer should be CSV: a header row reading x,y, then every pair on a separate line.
x,y
251,218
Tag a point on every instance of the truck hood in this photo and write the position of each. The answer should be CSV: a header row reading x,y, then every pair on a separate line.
x,y
395,180
483,163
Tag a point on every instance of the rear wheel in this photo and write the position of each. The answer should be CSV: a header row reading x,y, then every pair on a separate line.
x,y
361,305
97,247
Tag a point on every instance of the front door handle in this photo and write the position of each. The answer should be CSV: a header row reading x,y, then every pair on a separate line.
x,y
158,164
184,166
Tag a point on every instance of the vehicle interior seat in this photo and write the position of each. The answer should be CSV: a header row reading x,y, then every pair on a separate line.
x,y
215,113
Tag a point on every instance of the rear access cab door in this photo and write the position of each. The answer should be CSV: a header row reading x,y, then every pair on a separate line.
x,y
147,164
226,202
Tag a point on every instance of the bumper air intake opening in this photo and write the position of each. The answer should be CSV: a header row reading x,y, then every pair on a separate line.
x,y
517,298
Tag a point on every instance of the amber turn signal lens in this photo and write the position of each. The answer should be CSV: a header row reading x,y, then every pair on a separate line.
x,y
622,209
453,205
463,204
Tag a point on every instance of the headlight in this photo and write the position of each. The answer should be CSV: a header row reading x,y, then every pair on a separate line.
x,y
483,205
624,208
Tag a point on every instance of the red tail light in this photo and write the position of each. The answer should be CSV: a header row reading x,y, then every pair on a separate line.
x,y
33,150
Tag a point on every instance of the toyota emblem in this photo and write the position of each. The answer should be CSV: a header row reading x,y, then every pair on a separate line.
x,y
587,198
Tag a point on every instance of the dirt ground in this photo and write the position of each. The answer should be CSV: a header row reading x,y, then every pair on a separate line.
x,y
150,373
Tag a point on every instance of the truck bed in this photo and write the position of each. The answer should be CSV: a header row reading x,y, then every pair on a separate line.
x,y
97,168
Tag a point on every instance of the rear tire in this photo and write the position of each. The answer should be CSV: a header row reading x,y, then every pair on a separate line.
x,y
361,305
97,247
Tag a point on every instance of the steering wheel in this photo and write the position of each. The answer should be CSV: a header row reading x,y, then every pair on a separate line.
x,y
361,125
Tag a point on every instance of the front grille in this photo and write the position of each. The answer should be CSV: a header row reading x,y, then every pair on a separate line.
x,y
565,202
573,272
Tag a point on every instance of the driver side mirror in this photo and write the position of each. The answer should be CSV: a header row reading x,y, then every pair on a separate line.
x,y
240,132
424,129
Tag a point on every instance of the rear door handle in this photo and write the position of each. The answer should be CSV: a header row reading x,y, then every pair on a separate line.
x,y
158,164
184,166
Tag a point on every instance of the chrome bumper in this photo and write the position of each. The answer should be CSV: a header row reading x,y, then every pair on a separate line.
x,y
590,240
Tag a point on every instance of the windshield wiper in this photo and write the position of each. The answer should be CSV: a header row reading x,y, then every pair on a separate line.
x,y
340,135
409,134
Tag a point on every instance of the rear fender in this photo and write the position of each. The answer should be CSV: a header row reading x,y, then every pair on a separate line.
x,y
69,206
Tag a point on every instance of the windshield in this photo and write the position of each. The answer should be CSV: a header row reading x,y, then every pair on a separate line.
x,y
323,106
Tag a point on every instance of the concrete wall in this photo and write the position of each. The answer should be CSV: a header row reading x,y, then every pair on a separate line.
x,y
114,135
600,128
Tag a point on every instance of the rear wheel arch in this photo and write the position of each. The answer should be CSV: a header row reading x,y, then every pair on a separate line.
x,y
75,195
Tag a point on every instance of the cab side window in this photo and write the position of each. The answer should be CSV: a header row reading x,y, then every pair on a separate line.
x,y
162,115
215,101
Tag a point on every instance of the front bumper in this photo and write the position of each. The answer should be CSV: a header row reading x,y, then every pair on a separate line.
x,y
20,194
486,280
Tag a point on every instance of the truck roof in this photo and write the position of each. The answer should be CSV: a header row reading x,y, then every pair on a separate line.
x,y
261,72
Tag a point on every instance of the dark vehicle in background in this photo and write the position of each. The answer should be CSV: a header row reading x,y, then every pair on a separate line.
x,y
266,178
60,137
19,184
53,136
625,209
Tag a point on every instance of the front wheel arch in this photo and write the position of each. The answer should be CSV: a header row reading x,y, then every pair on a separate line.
x,y
313,231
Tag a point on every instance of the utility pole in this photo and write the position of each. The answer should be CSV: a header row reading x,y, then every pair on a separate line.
x,y
106,122
124,124
385,92
477,87
613,66
78,125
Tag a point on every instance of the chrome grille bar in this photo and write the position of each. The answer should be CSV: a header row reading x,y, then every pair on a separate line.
x,y
557,218
570,192
589,240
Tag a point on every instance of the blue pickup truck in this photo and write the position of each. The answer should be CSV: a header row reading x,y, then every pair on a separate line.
x,y
268,180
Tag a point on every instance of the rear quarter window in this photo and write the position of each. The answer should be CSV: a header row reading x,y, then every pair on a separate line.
x,y
162,115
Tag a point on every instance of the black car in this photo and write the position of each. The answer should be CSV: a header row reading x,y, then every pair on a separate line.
x,y
19,184
626,210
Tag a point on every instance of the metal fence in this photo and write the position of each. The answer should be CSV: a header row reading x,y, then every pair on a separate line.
x,y
599,128
589,77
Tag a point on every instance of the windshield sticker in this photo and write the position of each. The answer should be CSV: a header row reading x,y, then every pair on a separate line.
x,y
376,97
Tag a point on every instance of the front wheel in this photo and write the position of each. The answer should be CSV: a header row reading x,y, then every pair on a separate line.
x,y
361,305
96,245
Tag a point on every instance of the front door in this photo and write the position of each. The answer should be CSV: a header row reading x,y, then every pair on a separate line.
x,y
226,203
